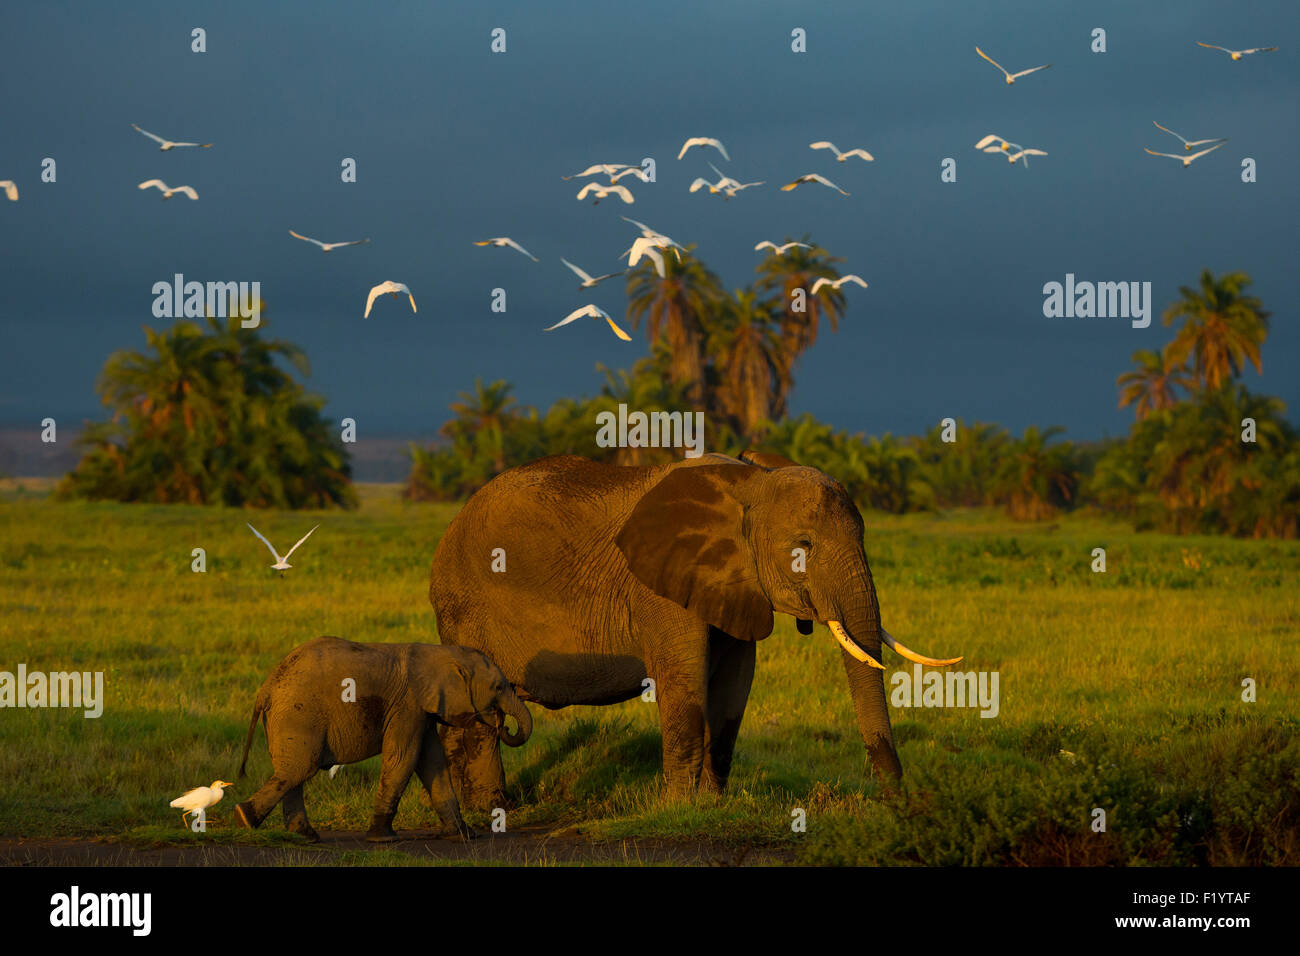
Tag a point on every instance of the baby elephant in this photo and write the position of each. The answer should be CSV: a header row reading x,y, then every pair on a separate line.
x,y
334,701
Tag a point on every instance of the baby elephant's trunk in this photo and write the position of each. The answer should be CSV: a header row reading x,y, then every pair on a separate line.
x,y
512,706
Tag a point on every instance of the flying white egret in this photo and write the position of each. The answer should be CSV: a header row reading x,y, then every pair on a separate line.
x,y
780,250
1005,147
388,288
200,798
702,183
168,191
327,246
600,169
1186,160
704,141
636,171
1189,145
811,178
841,157
168,144
648,247
504,241
732,190
836,283
1238,54
654,234
1011,77
587,281
595,312
622,192
10,189
281,564
1023,153
724,181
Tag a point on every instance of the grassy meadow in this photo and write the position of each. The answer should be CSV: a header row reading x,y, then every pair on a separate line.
x,y
1119,690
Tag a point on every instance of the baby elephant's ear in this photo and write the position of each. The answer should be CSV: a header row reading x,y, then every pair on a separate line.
x,y
684,541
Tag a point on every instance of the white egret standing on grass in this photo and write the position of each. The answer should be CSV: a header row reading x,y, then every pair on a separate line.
x,y
281,564
200,798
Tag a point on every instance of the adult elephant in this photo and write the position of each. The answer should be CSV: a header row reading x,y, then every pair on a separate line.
x,y
581,579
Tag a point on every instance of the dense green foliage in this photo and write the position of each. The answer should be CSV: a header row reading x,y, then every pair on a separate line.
x,y
1183,468
208,417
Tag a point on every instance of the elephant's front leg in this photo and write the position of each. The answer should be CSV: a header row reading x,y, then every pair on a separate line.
x,y
680,673
731,672
474,754
401,751
433,773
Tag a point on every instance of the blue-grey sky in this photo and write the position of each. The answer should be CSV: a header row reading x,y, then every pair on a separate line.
x,y
454,143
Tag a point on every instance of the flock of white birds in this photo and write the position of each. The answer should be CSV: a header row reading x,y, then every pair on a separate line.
x,y
993,143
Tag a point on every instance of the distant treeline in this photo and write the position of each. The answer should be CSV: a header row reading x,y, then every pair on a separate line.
x,y
207,416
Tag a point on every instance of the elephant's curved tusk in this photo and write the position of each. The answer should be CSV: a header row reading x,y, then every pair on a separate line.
x,y
850,645
911,655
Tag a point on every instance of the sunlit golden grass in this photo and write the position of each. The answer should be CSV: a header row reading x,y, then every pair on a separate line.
x,y
1120,690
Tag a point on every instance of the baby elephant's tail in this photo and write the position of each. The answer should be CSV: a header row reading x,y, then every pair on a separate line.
x,y
260,707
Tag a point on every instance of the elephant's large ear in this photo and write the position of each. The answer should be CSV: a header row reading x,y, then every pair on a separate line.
x,y
767,459
684,541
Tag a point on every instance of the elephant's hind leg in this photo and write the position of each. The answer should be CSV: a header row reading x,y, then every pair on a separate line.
x,y
295,814
287,779
731,672
474,755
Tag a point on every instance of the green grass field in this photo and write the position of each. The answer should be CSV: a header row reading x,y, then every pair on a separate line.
x,y
1120,691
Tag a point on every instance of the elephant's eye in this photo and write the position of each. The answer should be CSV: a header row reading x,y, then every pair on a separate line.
x,y
803,542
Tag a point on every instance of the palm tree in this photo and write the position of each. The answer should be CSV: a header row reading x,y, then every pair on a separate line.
x,y
780,276
676,305
1151,385
1222,331
207,416
747,355
483,420
1035,480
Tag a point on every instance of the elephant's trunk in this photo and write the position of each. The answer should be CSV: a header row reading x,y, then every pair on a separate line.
x,y
516,708
861,621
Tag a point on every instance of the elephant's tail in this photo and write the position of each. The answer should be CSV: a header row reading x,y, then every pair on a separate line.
x,y
260,707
